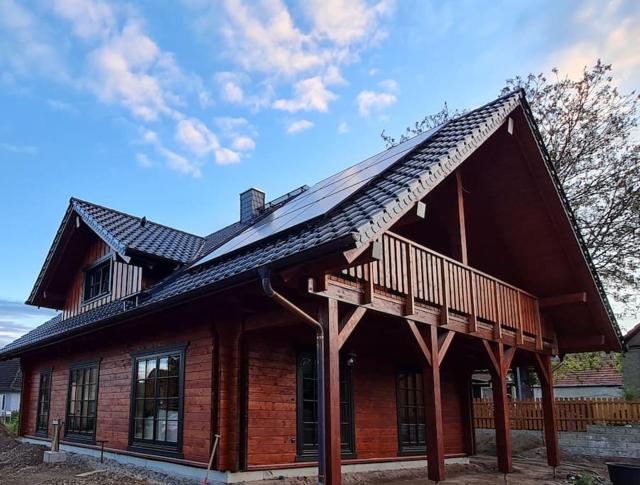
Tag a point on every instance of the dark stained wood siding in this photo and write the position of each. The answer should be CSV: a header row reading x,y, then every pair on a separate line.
x,y
126,280
272,402
114,348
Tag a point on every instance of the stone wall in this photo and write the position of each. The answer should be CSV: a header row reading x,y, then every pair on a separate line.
x,y
604,441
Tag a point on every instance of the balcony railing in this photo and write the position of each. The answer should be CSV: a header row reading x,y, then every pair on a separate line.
x,y
419,276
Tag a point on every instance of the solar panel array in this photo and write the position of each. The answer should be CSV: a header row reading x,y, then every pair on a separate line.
x,y
320,198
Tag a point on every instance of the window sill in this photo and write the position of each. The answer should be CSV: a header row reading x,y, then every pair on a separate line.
x,y
155,450
314,457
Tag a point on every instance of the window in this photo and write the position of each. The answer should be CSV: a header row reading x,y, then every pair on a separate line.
x,y
308,407
410,403
97,280
82,401
44,396
157,400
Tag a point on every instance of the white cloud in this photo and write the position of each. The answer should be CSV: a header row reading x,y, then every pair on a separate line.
x,y
232,92
369,101
389,85
89,18
310,94
143,160
196,137
299,126
344,22
343,128
332,76
243,143
24,149
26,45
224,156
179,163
606,30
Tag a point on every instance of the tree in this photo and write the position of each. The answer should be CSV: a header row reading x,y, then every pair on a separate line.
x,y
591,133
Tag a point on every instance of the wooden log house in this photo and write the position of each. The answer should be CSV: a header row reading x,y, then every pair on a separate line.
x,y
453,251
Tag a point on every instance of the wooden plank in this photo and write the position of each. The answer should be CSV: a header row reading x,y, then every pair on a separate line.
x,y
328,317
569,299
473,317
491,355
411,281
461,219
501,412
422,345
444,315
349,324
433,411
444,341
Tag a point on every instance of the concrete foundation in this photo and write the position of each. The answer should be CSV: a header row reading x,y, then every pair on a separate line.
x,y
54,457
237,477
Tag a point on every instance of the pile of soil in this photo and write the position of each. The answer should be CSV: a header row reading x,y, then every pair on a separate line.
x,y
15,455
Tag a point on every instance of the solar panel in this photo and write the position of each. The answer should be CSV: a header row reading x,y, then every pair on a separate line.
x,y
320,198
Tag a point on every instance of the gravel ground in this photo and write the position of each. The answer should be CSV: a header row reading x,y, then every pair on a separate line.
x,y
21,464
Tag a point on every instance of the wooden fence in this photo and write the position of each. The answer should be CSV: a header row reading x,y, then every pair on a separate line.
x,y
574,414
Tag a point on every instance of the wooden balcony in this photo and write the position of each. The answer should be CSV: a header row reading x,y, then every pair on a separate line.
x,y
420,278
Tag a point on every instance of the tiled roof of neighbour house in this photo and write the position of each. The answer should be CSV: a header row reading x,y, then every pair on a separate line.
x,y
605,375
10,376
352,223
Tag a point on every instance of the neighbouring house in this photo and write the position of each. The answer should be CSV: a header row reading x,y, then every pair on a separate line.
x,y
389,282
10,385
602,381
631,360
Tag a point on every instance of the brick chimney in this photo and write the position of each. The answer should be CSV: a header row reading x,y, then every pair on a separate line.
x,y
251,202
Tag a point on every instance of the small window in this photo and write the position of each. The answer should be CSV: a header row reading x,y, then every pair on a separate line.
x,y
97,280
157,400
308,408
82,402
410,404
44,397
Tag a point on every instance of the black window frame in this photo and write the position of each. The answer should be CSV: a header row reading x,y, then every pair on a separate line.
x,y
71,433
416,448
104,262
44,431
162,448
348,448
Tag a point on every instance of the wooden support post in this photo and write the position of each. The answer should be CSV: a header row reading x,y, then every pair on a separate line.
x,y
501,407
545,374
464,258
368,286
433,410
328,317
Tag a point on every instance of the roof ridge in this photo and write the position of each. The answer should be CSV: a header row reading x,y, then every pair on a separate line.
x,y
149,221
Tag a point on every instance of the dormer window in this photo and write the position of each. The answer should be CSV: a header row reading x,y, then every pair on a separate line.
x,y
97,280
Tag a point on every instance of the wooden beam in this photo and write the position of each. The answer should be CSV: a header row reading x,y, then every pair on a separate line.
x,y
501,412
420,341
492,357
569,299
579,343
444,341
549,409
416,214
328,317
369,252
367,297
433,411
349,324
508,358
461,222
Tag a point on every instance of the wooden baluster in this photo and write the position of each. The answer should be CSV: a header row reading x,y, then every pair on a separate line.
x,y
520,320
409,308
539,342
444,314
368,286
497,330
473,317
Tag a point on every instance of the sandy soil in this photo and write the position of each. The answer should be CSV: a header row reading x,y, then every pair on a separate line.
x,y
21,464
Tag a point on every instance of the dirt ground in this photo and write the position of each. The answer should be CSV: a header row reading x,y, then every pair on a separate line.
x,y
21,464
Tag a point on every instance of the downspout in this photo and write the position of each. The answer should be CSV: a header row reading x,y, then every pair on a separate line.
x,y
265,279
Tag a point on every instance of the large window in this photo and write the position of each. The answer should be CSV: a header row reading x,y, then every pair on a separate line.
x,y
97,280
82,401
410,404
157,399
44,397
308,407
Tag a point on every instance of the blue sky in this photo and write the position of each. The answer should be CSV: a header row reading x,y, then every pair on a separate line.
x,y
170,109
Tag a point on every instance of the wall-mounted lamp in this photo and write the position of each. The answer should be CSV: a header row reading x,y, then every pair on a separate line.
x,y
351,359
